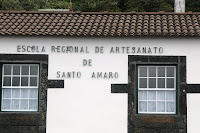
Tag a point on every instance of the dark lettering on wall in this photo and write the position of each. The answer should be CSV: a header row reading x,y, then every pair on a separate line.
x,y
33,49
136,50
69,49
99,49
72,74
87,62
105,75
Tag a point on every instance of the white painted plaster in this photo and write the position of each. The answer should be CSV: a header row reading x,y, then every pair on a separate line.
x,y
193,110
86,105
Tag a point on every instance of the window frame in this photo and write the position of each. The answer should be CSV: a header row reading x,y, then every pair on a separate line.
x,y
38,84
175,86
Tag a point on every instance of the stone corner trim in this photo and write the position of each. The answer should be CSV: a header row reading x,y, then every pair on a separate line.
x,y
119,88
193,88
55,83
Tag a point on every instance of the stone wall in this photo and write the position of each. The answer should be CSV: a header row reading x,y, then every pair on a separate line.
x,y
155,123
27,122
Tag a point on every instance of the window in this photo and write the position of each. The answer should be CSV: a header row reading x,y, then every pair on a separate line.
x,y
20,87
157,89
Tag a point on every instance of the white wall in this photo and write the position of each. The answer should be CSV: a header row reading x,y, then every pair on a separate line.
x,y
193,110
86,105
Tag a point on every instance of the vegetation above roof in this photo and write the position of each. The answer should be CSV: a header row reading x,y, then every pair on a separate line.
x,y
99,5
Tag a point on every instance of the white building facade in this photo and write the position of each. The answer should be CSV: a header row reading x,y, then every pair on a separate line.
x,y
81,78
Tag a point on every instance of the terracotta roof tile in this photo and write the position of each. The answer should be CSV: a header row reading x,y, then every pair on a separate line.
x,y
99,24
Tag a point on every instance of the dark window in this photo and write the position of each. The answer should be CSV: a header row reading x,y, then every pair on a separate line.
x,y
157,89
20,83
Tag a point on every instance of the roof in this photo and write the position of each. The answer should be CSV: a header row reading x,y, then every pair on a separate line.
x,y
100,23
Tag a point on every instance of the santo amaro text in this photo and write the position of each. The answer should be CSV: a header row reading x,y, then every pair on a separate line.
x,y
94,75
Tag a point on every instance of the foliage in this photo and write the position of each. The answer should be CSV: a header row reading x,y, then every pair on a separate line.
x,y
10,5
193,5
99,5
32,4
55,4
